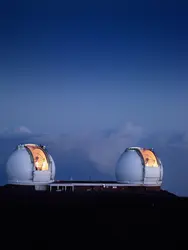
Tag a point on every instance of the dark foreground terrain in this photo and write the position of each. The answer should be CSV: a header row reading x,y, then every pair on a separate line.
x,y
56,215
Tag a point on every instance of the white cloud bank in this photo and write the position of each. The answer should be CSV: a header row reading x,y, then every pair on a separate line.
x,y
100,148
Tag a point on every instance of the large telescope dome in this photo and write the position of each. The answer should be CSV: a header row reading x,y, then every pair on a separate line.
x,y
30,164
139,166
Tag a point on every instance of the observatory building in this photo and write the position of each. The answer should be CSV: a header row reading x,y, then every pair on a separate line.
x,y
30,164
139,166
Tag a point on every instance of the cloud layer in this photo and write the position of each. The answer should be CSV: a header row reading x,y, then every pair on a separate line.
x,y
100,148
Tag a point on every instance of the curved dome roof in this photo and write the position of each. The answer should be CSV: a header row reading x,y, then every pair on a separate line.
x,y
139,166
30,164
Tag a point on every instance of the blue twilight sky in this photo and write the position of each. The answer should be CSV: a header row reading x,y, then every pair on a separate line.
x,y
69,66
91,64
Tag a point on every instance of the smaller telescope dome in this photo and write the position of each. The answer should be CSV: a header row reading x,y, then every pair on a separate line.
x,y
30,164
139,166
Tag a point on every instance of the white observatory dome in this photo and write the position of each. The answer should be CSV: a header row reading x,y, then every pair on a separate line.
x,y
30,164
139,166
